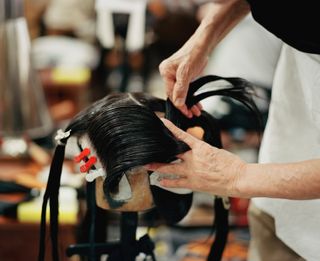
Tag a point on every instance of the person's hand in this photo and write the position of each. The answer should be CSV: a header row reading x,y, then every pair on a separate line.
x,y
203,168
179,70
190,60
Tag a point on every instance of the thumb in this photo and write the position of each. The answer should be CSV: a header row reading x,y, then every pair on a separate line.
x,y
181,87
179,134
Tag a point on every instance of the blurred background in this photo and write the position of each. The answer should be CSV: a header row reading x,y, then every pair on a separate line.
x,y
57,57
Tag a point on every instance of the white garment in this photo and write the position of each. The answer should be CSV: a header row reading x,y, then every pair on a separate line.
x,y
293,134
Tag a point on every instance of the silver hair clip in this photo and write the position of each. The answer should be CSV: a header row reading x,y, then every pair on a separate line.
x,y
61,135
93,174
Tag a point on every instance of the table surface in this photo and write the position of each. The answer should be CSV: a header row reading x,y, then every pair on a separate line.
x,y
19,240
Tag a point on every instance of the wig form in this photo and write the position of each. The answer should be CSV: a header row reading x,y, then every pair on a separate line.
x,y
126,134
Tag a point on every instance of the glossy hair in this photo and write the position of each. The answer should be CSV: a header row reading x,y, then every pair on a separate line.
x,y
126,133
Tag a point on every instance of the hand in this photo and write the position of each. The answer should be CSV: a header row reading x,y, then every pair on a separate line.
x,y
203,168
179,70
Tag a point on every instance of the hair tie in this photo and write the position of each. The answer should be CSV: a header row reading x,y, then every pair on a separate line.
x,y
62,135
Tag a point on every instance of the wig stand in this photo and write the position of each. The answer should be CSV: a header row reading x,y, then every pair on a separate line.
x,y
126,249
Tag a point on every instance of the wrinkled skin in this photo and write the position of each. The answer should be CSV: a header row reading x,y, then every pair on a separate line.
x,y
203,168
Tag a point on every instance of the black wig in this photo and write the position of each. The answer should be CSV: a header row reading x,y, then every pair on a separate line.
x,y
126,134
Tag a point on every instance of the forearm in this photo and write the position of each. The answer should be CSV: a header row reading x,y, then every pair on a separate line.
x,y
299,180
221,17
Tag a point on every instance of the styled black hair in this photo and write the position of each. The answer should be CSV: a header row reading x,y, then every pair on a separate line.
x,y
126,133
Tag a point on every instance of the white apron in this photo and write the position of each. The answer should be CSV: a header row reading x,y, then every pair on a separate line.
x,y
293,134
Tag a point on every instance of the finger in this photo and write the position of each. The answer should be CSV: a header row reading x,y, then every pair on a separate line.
x,y
195,110
199,105
185,111
168,74
182,156
179,134
181,86
153,166
164,67
179,94
166,168
174,183
169,84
